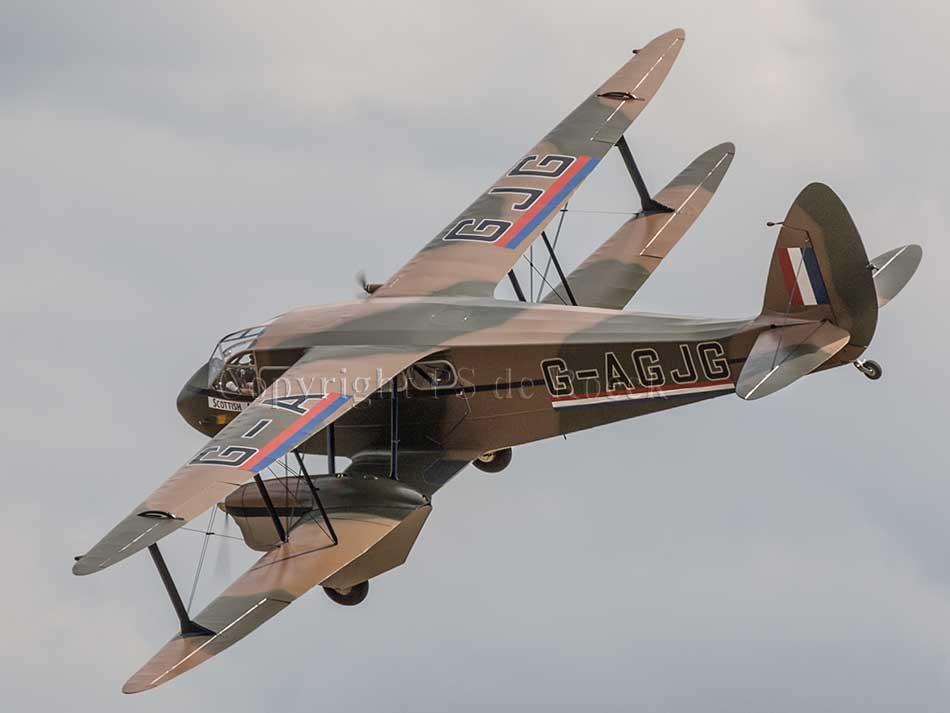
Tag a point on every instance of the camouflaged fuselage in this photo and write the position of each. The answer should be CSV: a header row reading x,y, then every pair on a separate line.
x,y
524,371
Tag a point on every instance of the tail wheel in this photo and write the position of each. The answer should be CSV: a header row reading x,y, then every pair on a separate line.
x,y
870,369
350,596
493,461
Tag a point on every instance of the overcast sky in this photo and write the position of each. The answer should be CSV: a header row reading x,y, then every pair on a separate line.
x,y
173,171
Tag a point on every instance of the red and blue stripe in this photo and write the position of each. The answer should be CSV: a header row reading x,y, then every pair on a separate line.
x,y
297,432
556,194
814,276
802,276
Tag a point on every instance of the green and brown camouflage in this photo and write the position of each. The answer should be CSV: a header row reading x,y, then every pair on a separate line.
x,y
377,522
614,272
480,246
472,374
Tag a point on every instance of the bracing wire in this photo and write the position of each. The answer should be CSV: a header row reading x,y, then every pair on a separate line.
x,y
534,267
201,558
547,265
312,513
530,274
208,532
215,534
605,212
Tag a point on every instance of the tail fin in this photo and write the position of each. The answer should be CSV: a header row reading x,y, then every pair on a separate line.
x,y
820,270
820,298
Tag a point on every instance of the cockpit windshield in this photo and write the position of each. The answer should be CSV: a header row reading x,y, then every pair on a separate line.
x,y
231,368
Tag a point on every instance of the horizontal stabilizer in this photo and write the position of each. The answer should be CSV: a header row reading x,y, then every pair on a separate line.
x,y
893,270
785,354
376,529
613,273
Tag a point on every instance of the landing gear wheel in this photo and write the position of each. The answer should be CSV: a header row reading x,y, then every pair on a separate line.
x,y
493,461
870,369
349,597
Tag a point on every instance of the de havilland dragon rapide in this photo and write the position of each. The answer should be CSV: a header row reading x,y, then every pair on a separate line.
x,y
429,372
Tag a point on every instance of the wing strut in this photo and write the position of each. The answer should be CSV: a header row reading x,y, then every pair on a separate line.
x,y
331,451
646,201
188,627
394,432
316,497
269,504
516,285
648,205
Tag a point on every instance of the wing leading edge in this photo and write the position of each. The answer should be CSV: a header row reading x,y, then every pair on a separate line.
x,y
477,249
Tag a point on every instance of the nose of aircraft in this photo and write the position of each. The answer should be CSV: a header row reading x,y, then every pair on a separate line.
x,y
193,401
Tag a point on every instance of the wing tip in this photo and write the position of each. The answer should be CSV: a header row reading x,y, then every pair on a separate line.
x,y
129,688
677,33
726,147
180,654
79,570
85,565
667,38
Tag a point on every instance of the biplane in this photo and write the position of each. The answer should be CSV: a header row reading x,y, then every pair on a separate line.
x,y
429,372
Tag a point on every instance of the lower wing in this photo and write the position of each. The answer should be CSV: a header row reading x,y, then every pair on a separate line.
x,y
375,520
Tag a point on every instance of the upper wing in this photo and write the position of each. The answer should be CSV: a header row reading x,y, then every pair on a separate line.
x,y
614,273
479,247
309,396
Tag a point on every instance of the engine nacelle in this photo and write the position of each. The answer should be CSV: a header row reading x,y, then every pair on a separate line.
x,y
291,499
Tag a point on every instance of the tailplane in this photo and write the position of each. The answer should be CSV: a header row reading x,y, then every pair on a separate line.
x,y
785,354
893,270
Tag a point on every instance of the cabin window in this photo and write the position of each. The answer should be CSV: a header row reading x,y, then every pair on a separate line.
x,y
231,348
238,377
436,374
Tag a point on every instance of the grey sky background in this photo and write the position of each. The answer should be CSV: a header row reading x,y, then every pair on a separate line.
x,y
177,170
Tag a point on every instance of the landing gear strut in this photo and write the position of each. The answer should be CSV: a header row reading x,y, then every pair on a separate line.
x,y
349,597
869,368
